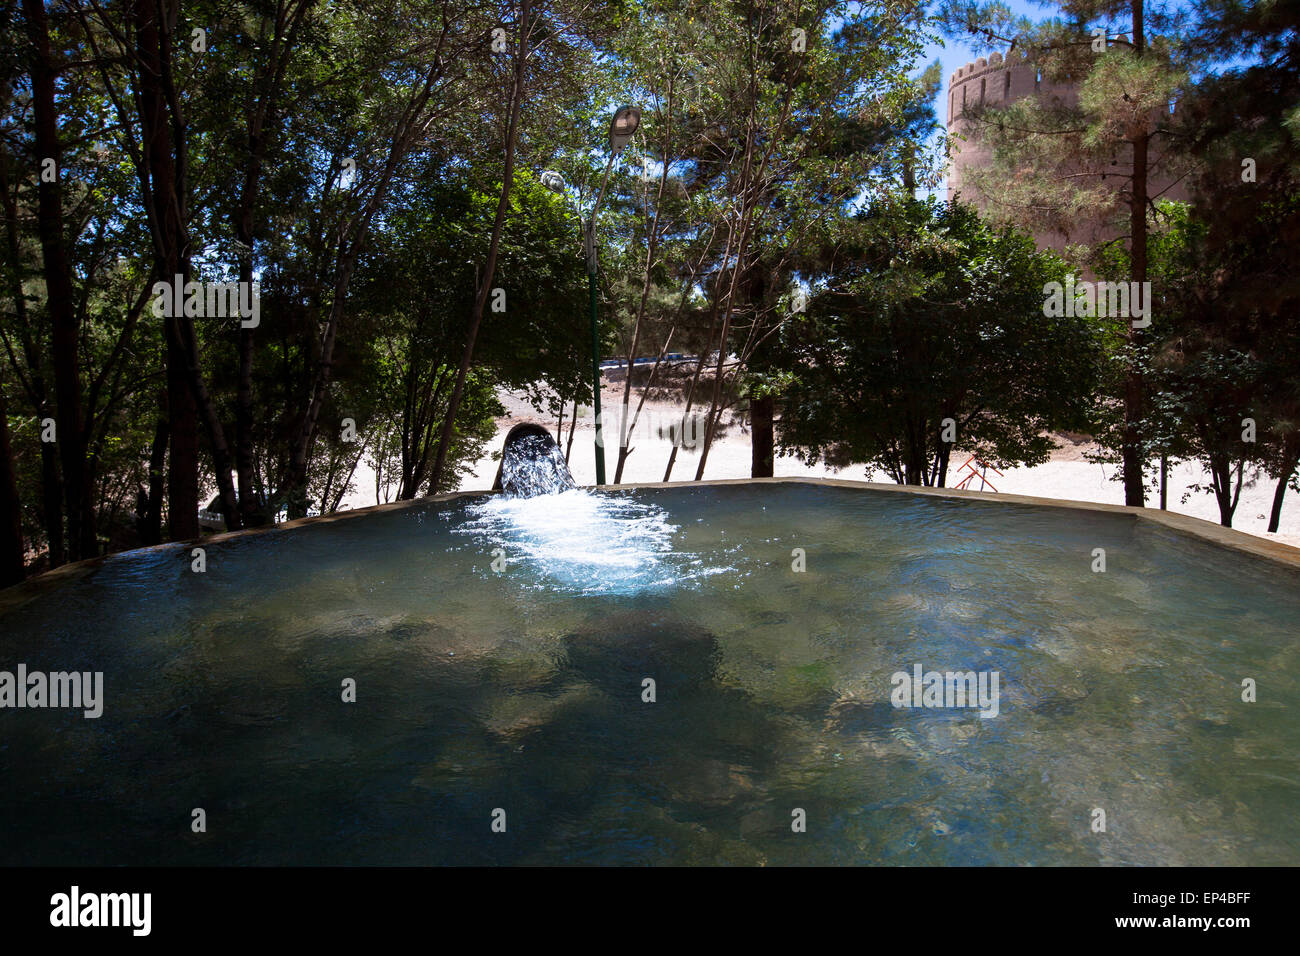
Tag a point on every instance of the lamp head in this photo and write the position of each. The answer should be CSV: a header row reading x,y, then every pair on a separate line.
x,y
622,127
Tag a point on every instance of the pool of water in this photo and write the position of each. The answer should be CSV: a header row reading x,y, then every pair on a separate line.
x,y
499,650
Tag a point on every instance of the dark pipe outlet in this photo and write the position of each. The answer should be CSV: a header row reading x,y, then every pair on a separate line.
x,y
531,464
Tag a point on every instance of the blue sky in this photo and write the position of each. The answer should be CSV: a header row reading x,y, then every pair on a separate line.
x,y
954,54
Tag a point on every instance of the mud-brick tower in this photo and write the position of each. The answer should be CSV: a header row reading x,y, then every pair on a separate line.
x,y
1000,80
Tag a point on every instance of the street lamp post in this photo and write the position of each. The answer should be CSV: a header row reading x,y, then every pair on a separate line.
x,y
622,127
589,240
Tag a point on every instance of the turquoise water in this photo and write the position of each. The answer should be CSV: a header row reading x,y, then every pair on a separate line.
x,y
521,689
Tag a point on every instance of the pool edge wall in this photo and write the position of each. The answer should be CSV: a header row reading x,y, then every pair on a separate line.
x,y
1239,541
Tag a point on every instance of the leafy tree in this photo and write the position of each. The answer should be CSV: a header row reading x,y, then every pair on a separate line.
x,y
1242,122
772,123
418,286
1205,374
927,333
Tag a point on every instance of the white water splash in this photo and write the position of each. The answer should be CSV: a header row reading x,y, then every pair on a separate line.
x,y
584,541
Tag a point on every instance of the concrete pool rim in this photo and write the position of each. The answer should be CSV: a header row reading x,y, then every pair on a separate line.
x,y
1253,546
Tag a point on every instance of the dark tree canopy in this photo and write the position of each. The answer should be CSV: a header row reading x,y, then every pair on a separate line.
x,y
932,327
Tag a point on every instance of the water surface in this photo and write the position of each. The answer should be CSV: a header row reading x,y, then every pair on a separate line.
x,y
521,689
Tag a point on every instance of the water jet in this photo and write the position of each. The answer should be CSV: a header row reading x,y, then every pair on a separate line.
x,y
531,464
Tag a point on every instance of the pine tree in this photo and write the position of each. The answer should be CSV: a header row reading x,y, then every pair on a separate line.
x,y
1093,152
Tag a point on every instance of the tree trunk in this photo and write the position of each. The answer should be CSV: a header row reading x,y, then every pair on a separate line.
x,y
715,410
623,452
1275,515
51,486
762,439
489,270
252,512
52,503
690,399
699,367
149,518
1164,481
12,551
413,122
163,130
945,455
425,438
914,468
70,436
573,424
183,448
1221,476
652,241
165,202
1131,451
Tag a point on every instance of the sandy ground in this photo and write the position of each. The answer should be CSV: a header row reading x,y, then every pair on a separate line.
x,y
1067,476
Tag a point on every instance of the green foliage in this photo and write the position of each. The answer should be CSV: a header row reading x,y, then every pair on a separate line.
x,y
736,194
934,314
1219,351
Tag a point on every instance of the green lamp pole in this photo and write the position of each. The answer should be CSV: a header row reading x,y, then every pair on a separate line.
x,y
589,241
622,127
